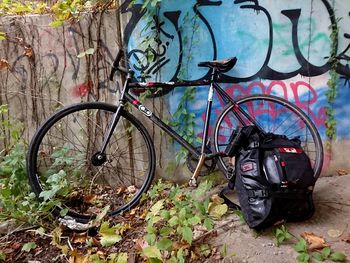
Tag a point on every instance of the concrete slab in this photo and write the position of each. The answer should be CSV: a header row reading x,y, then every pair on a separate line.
x,y
332,202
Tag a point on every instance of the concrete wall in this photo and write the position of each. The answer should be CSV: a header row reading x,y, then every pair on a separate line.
x,y
282,48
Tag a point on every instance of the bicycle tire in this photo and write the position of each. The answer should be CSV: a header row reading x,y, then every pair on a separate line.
x,y
68,140
277,109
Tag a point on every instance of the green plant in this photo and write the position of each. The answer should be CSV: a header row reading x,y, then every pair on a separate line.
x,y
325,254
332,83
306,252
281,234
171,221
184,121
16,199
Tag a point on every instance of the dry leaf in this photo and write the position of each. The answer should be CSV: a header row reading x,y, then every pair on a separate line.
x,y
78,258
132,189
4,64
314,241
334,233
79,238
347,238
140,244
120,190
90,199
28,51
15,245
341,172
216,199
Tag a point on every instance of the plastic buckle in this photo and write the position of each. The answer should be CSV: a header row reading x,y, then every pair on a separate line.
x,y
230,172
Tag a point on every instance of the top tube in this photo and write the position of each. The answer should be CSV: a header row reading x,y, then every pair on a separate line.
x,y
168,84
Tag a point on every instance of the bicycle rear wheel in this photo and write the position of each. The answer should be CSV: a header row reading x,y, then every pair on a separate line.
x,y
62,164
272,114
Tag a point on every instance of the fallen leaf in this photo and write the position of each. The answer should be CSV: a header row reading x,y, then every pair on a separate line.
x,y
4,64
140,244
28,51
15,245
79,238
314,241
341,172
131,189
217,210
216,199
334,233
109,235
90,199
28,246
121,190
152,252
347,238
78,258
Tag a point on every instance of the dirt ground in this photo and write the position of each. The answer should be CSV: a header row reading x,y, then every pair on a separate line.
x,y
234,241
330,221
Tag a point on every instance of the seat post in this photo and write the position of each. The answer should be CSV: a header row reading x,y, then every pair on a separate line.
x,y
203,156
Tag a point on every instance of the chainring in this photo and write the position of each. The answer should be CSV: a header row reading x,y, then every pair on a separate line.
x,y
208,166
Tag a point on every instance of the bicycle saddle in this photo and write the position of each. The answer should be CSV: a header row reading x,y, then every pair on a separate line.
x,y
220,65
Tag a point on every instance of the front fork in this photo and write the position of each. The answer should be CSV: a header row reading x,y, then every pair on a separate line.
x,y
100,156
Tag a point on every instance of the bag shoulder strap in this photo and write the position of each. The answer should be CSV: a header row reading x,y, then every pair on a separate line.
x,y
231,175
227,201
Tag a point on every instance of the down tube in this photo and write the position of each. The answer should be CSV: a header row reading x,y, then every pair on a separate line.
x,y
170,131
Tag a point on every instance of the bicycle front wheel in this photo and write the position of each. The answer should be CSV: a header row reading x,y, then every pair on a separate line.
x,y
272,114
64,166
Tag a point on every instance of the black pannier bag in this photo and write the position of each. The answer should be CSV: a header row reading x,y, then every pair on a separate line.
x,y
273,178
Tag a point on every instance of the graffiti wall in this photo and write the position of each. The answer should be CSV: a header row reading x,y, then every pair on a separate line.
x,y
43,68
283,48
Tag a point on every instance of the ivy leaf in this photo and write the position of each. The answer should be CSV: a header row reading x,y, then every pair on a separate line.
x,y
152,252
2,256
217,210
90,51
109,236
2,35
81,55
118,258
187,234
300,246
303,257
195,220
208,223
318,256
56,23
164,244
326,252
173,221
165,231
28,246
155,209
338,257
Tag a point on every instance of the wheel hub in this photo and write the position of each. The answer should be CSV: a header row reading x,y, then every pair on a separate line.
x,y
98,159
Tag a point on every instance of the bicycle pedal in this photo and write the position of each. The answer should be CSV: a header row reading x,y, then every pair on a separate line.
x,y
192,182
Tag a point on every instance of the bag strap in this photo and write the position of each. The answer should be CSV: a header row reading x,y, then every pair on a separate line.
x,y
227,201
231,175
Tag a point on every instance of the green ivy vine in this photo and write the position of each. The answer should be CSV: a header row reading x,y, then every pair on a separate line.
x,y
332,85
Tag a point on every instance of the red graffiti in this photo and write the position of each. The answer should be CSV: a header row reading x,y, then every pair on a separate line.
x,y
82,90
291,93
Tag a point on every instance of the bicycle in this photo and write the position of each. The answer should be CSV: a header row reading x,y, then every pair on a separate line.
x,y
94,154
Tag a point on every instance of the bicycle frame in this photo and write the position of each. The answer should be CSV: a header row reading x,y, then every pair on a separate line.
x,y
125,97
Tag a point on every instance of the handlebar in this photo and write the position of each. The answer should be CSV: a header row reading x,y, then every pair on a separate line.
x,y
116,67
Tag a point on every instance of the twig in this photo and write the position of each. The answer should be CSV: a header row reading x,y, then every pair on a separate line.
x,y
206,234
331,202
